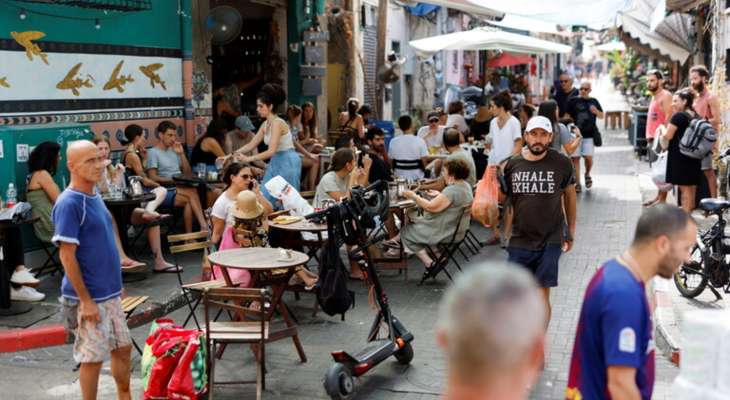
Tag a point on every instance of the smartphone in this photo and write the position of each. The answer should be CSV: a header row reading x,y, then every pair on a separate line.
x,y
252,184
358,154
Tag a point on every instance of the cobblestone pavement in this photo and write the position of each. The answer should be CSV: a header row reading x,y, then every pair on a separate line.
x,y
606,217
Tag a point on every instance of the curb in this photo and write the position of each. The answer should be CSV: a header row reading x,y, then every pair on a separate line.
x,y
664,319
15,340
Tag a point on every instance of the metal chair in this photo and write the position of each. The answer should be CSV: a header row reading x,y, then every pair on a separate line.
x,y
447,249
192,291
255,333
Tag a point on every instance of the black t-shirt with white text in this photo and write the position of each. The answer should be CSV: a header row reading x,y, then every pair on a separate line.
x,y
536,189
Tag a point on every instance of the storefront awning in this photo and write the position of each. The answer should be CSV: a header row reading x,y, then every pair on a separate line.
x,y
669,35
487,39
684,5
508,60
526,24
468,6
611,46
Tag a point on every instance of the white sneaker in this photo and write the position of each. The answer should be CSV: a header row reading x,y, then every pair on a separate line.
x,y
25,293
24,277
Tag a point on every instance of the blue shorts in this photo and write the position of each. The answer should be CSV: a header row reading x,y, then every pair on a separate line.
x,y
542,263
586,148
169,201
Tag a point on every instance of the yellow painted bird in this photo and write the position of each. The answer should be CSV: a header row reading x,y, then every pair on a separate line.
x,y
26,39
4,82
70,82
117,81
149,71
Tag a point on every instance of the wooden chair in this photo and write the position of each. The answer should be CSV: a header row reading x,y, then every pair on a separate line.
x,y
129,304
187,242
255,333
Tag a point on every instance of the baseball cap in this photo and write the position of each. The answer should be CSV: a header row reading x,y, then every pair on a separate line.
x,y
539,122
432,115
244,124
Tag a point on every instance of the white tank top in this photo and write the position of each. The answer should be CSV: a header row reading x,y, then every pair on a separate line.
x,y
285,140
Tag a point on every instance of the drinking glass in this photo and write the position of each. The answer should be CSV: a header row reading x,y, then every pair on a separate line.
x,y
201,169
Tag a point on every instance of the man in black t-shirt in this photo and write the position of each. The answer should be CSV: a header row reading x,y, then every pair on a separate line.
x,y
584,110
563,92
539,187
379,170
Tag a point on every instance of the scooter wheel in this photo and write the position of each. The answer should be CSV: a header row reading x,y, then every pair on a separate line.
x,y
338,382
404,355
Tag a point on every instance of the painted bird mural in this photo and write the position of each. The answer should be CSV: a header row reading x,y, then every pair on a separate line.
x,y
26,39
117,81
70,82
149,71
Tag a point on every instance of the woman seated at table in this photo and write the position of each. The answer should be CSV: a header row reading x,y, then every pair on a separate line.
x,y
237,177
310,161
337,182
209,147
43,191
249,228
113,175
309,135
442,212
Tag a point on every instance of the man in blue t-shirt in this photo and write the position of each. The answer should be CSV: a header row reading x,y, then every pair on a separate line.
x,y
92,284
613,354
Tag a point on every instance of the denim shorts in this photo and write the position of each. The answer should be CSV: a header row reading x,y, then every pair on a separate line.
x,y
542,263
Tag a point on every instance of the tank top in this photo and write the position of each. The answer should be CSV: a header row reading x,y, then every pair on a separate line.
x,y
285,140
655,118
198,155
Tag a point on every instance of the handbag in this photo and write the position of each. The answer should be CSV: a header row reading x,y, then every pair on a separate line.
x,y
597,139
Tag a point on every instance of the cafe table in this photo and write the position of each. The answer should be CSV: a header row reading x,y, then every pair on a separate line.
x,y
199,182
7,307
265,264
303,226
121,209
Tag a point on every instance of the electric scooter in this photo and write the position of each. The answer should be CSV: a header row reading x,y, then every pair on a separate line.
x,y
362,207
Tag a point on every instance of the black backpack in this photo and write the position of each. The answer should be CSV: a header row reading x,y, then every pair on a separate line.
x,y
333,295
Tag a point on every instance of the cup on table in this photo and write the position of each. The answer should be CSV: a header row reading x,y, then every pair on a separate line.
x,y
201,169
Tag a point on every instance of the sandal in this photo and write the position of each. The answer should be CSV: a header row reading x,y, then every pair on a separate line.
x,y
589,181
578,188
173,269
650,202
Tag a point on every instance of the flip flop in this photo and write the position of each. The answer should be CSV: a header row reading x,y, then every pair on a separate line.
x,y
649,203
131,264
172,269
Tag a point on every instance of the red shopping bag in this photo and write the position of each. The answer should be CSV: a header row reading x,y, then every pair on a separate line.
x,y
181,384
163,369
486,195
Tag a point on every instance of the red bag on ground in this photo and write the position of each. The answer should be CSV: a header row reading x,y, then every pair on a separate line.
x,y
181,384
163,369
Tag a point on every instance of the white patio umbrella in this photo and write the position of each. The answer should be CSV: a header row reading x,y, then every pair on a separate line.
x,y
487,39
611,46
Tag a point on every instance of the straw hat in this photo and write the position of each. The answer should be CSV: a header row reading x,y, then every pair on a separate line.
x,y
247,206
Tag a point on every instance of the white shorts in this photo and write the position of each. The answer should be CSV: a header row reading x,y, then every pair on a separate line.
x,y
586,148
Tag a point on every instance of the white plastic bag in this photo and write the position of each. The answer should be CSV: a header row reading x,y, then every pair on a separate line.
x,y
659,173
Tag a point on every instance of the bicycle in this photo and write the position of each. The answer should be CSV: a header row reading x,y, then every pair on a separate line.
x,y
708,266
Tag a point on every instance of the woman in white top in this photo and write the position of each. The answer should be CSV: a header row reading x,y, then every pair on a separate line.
x,y
456,118
432,134
283,160
237,178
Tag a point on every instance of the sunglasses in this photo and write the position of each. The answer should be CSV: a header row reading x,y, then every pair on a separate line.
x,y
564,81
585,89
433,120
245,176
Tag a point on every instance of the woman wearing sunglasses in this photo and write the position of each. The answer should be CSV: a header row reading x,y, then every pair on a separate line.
x,y
237,178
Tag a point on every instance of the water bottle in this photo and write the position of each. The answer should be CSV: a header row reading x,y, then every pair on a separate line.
x,y
11,196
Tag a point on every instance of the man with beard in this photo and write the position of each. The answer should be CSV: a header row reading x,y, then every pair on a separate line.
x,y
379,170
613,354
660,110
707,106
540,188
564,92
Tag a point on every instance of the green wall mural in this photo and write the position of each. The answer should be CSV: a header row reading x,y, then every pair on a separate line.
x,y
158,27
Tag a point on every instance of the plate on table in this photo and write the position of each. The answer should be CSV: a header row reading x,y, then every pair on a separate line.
x,y
287,219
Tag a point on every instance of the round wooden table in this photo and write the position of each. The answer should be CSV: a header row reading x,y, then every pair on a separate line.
x,y
261,263
310,246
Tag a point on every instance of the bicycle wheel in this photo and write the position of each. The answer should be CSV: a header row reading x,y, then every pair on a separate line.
x,y
689,279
